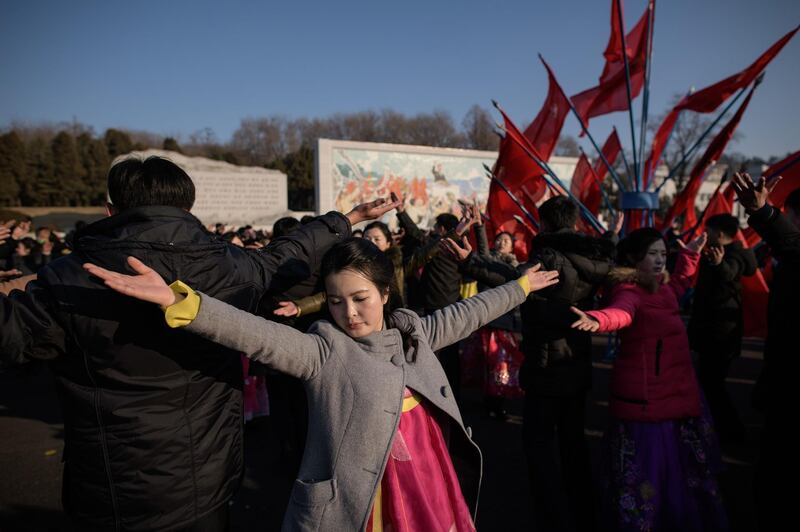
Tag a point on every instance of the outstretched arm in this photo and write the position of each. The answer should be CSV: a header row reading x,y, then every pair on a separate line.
x,y
455,322
277,346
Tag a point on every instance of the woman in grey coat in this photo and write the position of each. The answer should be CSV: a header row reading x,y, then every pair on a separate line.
x,y
364,373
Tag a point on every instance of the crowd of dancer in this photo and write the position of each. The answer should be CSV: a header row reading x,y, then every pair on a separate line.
x,y
154,325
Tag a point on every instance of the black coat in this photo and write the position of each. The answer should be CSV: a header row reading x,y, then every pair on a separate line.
x,y
776,386
558,359
440,283
152,415
716,324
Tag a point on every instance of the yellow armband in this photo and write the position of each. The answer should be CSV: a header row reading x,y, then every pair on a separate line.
x,y
524,284
185,311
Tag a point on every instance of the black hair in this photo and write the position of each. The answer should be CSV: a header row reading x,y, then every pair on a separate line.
x,y
361,256
447,221
793,200
726,224
513,239
383,228
154,181
558,213
306,219
284,226
633,248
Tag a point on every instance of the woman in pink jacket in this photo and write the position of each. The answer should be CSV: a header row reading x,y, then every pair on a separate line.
x,y
663,452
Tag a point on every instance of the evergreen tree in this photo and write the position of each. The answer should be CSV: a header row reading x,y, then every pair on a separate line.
x,y
170,144
117,143
66,186
13,170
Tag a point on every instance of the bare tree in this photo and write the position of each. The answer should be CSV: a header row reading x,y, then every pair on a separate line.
x,y
479,129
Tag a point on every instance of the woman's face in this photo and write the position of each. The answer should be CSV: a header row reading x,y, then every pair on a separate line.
x,y
503,244
355,303
655,260
377,237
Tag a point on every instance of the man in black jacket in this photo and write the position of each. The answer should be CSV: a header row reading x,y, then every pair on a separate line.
x,y
716,325
152,416
557,370
776,390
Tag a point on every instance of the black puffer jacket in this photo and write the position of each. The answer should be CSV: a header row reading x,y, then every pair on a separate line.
x,y
557,357
776,388
152,415
716,323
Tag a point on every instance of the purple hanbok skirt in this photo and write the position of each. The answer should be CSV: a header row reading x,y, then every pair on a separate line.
x,y
662,476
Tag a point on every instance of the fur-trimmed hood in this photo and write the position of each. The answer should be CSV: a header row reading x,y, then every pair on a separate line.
x,y
650,282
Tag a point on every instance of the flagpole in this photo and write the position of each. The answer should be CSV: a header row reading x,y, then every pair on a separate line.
x,y
549,175
694,146
622,152
606,199
646,93
513,197
585,130
637,183
783,168
693,230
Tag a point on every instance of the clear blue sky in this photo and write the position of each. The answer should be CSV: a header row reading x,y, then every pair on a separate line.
x,y
173,67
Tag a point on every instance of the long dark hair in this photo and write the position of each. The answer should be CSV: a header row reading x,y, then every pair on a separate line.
x,y
363,257
633,247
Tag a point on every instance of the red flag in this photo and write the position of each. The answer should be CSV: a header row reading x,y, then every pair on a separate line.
x,y
585,186
719,203
501,209
684,201
789,169
709,99
611,150
611,93
543,132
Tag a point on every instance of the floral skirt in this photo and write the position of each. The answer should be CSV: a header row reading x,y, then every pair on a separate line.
x,y
662,476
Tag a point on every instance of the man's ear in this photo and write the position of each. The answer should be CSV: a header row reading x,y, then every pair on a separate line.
x,y
110,209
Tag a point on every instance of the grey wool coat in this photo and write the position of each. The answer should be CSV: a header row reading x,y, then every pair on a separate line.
x,y
355,393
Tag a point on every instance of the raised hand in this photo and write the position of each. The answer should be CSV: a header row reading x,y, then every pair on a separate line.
x,y
585,322
458,253
751,195
371,211
287,309
400,201
715,254
695,245
538,278
146,285
616,222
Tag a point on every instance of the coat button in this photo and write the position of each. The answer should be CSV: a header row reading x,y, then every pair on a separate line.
x,y
469,432
397,359
445,391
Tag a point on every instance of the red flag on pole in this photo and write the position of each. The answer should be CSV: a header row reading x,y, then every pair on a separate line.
x,y
611,150
611,93
710,98
685,199
545,129
585,185
789,169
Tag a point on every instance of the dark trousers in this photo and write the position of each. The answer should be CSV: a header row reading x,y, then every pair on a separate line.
x,y
558,462
712,370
